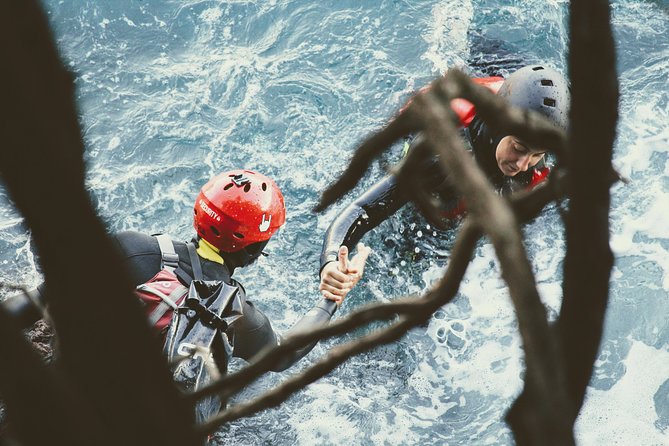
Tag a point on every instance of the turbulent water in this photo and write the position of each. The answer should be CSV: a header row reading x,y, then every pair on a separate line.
x,y
171,92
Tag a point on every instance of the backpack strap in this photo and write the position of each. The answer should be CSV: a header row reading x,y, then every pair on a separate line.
x,y
169,257
195,262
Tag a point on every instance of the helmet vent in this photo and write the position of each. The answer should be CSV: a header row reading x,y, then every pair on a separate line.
x,y
247,187
549,102
264,186
546,82
238,235
215,231
228,186
537,68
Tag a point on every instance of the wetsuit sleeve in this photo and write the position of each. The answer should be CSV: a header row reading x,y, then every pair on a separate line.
x,y
317,317
367,212
254,332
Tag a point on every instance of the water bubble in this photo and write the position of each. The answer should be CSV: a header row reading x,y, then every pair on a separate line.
x,y
455,341
457,326
441,335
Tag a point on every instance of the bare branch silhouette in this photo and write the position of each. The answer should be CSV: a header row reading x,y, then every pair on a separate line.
x,y
117,382
138,403
371,148
588,260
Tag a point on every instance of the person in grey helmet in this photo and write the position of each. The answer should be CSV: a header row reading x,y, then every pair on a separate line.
x,y
509,163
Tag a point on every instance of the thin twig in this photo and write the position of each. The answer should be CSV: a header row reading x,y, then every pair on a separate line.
x,y
283,391
269,357
372,147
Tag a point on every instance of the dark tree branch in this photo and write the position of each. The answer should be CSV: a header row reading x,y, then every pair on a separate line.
x,y
138,403
499,223
589,259
372,147
118,374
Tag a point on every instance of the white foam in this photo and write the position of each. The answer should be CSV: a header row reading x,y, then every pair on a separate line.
x,y
396,429
128,21
379,55
654,221
638,156
318,421
7,223
624,415
114,142
447,34
211,15
648,221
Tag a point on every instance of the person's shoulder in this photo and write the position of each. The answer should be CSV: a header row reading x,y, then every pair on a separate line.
x,y
134,241
131,236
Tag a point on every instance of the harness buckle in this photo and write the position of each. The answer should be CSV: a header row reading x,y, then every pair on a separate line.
x,y
171,259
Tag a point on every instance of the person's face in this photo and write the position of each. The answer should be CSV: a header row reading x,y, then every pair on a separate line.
x,y
514,156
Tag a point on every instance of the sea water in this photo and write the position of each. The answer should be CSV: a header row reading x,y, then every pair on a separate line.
x,y
172,92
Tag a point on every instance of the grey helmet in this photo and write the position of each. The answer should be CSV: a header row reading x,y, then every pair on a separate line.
x,y
541,89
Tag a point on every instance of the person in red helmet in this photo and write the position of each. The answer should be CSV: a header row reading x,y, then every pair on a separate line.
x,y
235,215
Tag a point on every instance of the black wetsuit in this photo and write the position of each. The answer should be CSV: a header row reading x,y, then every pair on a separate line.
x,y
250,333
383,199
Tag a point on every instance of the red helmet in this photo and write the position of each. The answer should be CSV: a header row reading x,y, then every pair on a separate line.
x,y
238,208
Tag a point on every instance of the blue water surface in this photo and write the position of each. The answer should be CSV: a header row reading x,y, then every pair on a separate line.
x,y
171,92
